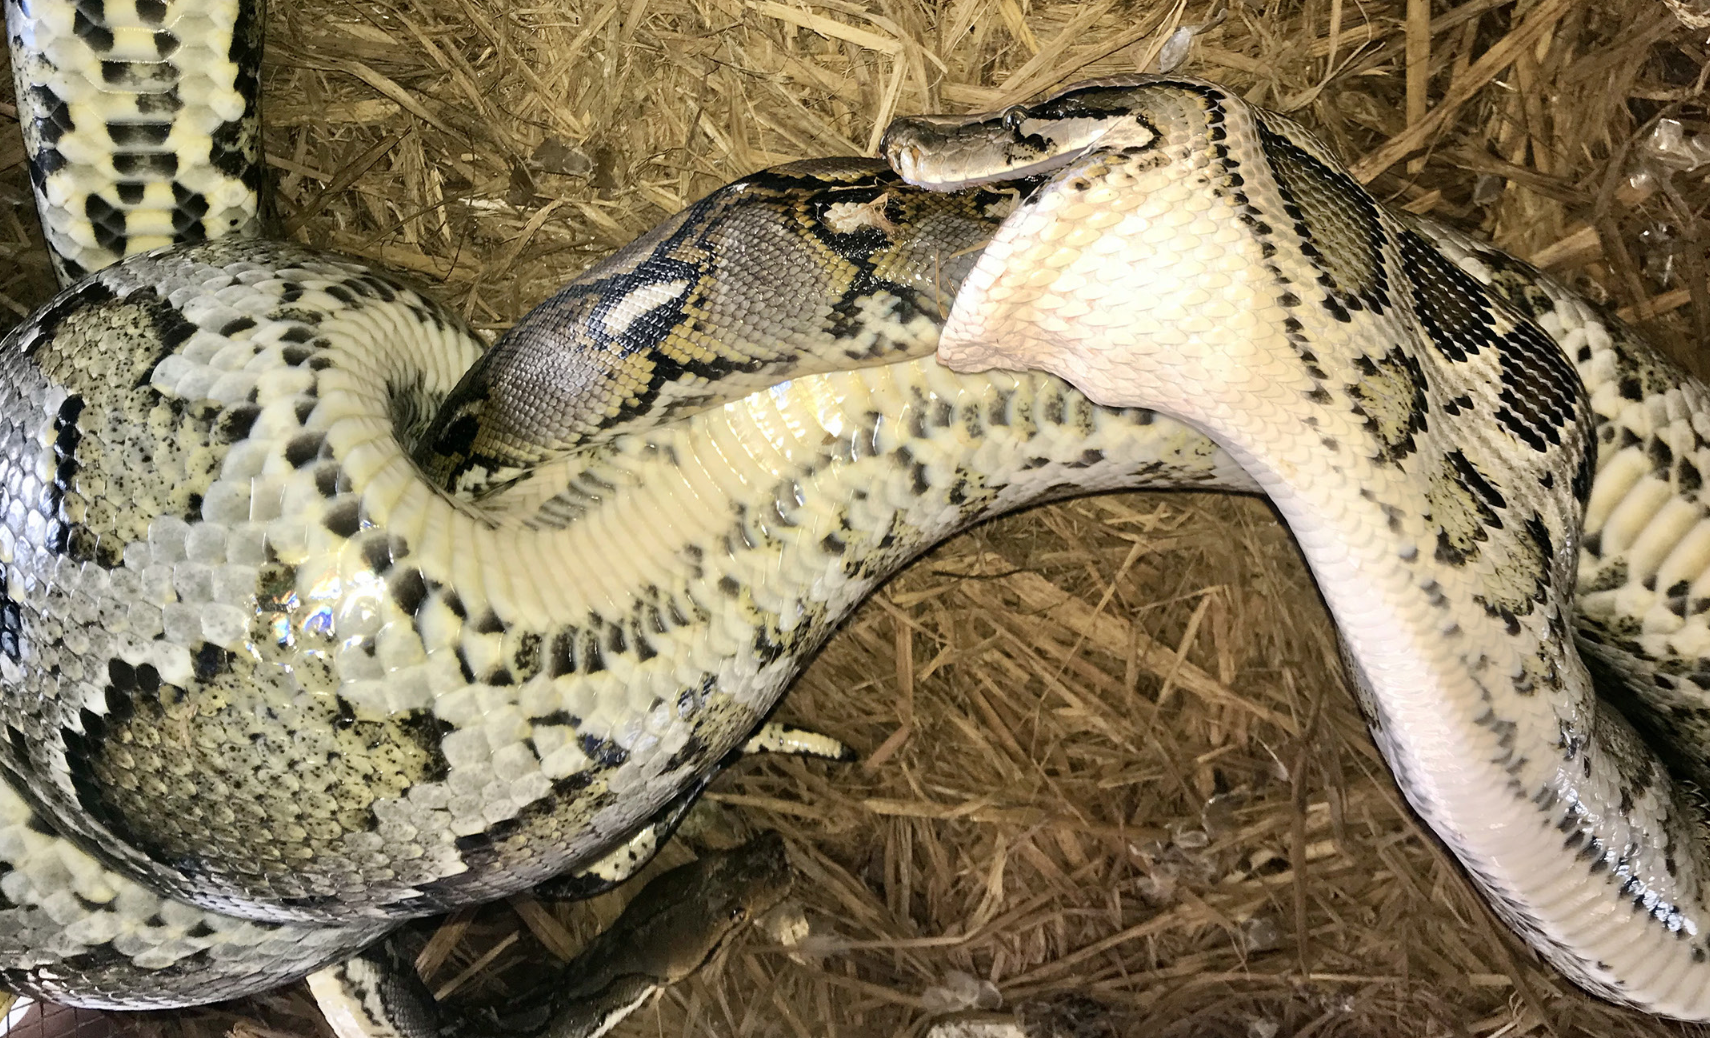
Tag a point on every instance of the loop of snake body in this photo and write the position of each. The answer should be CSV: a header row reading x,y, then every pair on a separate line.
x,y
313,617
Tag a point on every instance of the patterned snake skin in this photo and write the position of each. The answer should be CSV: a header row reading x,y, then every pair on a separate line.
x,y
254,662
304,626
140,119
1436,423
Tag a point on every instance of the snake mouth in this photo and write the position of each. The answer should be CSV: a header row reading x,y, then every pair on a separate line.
x,y
909,161
950,153
930,151
926,167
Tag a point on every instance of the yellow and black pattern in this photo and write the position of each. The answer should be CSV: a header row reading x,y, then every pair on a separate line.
x,y
1339,225
142,123
265,669
275,672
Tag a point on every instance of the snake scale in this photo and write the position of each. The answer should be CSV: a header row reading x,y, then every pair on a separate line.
x,y
316,616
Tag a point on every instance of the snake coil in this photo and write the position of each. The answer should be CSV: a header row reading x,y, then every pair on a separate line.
x,y
315,615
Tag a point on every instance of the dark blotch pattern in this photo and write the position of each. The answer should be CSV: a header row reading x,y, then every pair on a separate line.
x,y
1541,392
1449,302
1338,224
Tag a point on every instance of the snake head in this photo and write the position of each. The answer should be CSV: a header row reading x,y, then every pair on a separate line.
x,y
951,152
681,918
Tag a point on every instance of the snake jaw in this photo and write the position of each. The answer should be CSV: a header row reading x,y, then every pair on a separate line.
x,y
907,159
913,147
948,153
941,154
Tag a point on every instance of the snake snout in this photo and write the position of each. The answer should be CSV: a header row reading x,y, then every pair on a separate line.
x,y
907,161
903,154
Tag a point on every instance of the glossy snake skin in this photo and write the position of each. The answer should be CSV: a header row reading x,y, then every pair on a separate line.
x,y
1453,440
141,121
254,661
302,630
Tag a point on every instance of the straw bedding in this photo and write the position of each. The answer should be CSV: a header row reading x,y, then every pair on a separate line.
x,y
1107,749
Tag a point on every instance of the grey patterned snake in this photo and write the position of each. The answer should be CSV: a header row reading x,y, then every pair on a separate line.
x,y
255,661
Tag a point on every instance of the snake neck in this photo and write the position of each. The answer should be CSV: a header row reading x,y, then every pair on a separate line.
x,y
1432,450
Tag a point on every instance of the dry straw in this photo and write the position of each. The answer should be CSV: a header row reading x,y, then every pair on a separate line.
x,y
1109,751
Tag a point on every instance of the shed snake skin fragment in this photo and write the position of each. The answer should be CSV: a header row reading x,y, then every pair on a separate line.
x,y
1434,421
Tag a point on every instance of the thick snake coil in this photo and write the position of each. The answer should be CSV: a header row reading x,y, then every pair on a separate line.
x,y
313,621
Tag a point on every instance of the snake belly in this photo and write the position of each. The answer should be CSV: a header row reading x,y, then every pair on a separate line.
x,y
1435,422
141,122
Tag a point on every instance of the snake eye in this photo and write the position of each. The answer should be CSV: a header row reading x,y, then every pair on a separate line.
x,y
1012,117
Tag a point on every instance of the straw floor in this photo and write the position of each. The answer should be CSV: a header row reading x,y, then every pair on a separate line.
x,y
1107,748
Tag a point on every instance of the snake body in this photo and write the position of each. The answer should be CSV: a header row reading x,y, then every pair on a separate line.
x,y
1435,448
141,121
255,662
312,621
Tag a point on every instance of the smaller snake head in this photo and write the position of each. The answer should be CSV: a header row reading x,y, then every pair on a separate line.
x,y
951,152
669,930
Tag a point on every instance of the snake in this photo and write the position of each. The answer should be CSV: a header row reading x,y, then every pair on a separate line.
x,y
318,615
1459,445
